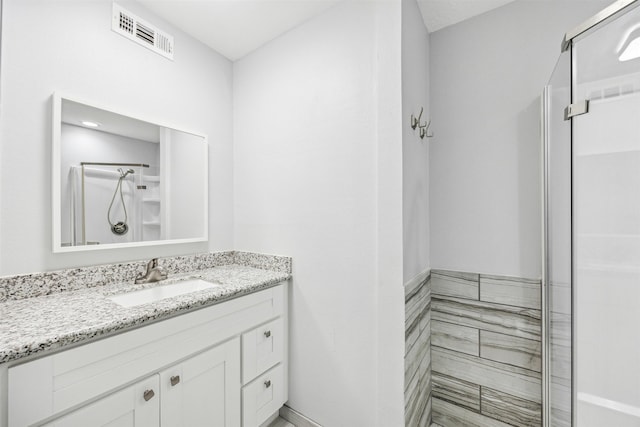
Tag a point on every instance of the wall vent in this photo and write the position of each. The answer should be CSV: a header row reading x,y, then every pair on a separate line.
x,y
142,32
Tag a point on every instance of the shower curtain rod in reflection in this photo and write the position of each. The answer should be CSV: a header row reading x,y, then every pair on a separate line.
x,y
141,165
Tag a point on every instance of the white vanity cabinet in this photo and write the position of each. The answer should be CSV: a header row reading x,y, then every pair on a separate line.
x,y
220,366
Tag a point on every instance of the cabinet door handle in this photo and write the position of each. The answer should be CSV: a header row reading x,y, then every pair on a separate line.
x,y
148,395
267,384
175,380
267,334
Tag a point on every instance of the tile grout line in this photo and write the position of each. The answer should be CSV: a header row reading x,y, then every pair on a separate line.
x,y
529,372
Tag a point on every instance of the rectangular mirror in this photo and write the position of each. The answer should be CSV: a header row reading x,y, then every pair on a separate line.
x,y
119,181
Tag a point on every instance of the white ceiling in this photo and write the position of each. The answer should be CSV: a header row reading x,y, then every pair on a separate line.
x,y
236,27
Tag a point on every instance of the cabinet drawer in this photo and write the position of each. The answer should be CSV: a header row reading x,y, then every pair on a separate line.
x,y
262,348
263,397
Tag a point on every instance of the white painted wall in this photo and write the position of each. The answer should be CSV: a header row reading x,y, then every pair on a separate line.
x,y
317,157
487,75
389,263
415,151
69,46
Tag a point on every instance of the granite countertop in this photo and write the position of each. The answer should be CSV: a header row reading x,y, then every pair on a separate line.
x,y
35,325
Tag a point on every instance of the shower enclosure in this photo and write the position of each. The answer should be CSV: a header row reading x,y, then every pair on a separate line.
x,y
591,129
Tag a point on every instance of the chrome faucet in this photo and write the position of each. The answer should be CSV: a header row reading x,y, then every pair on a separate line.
x,y
153,274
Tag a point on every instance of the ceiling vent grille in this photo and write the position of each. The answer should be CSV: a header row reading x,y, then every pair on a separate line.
x,y
142,32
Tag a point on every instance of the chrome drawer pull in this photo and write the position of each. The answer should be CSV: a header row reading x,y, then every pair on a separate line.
x,y
267,384
175,380
267,334
148,395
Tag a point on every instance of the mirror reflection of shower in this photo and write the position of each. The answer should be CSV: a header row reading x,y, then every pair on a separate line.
x,y
110,203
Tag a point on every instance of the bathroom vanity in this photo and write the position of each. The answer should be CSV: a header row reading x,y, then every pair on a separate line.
x,y
210,357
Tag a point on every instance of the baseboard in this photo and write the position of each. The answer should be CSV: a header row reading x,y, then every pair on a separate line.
x,y
296,418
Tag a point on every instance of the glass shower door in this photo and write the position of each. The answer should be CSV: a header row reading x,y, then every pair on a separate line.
x,y
606,227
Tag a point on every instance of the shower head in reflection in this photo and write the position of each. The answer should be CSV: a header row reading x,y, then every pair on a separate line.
x,y
124,174
119,227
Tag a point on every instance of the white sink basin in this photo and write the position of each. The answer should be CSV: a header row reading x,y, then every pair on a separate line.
x,y
157,293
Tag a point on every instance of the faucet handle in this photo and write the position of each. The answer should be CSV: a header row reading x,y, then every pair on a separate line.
x,y
151,265
154,273
154,266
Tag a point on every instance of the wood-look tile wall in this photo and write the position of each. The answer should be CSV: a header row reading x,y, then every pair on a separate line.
x,y
486,350
417,359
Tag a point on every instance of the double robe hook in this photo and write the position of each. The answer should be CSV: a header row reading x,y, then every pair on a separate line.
x,y
424,129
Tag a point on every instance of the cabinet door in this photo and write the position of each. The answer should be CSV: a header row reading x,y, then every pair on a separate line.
x,y
204,390
135,406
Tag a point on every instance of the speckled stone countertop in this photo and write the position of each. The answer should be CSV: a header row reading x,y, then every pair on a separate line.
x,y
36,325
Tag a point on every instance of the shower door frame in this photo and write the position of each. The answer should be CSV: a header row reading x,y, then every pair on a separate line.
x,y
547,113
546,323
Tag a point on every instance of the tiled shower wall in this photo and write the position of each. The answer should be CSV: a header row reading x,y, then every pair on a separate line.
x,y
417,365
486,350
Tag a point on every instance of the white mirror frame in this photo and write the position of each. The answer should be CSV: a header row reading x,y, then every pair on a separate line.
x,y
56,213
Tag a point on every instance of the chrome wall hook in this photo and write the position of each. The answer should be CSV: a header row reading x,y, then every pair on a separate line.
x,y
415,122
424,131
423,128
